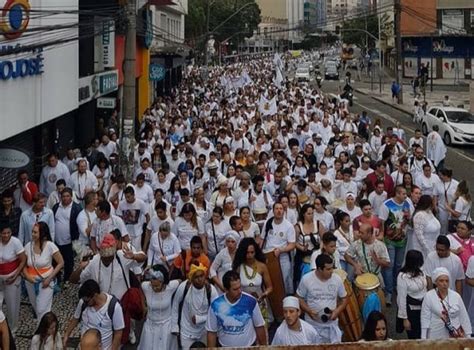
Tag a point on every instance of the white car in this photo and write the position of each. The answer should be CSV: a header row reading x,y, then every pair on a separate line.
x,y
456,125
302,74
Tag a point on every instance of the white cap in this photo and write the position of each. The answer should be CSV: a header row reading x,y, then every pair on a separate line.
x,y
440,271
234,235
291,302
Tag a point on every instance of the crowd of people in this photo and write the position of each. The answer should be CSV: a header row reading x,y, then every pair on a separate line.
x,y
255,201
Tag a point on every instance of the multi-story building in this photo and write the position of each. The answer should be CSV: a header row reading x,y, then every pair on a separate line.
x,y
315,13
438,34
167,49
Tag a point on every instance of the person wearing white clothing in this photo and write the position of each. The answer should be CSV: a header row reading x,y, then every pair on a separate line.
x,y
12,262
460,208
235,317
134,213
190,306
443,314
427,181
51,173
293,330
435,148
443,257
444,193
223,261
322,297
411,289
164,247
426,226
279,237
83,180
159,292
39,272
86,217
99,310
104,224
378,197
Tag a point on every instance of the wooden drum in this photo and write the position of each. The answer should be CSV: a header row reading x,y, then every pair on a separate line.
x,y
350,320
366,284
278,294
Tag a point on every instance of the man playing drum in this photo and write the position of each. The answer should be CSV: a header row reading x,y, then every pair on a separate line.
x,y
323,297
367,254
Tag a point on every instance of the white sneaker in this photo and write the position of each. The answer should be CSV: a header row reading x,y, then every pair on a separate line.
x,y
131,337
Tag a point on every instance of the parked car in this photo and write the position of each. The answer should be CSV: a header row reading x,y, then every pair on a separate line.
x,y
331,72
302,74
456,125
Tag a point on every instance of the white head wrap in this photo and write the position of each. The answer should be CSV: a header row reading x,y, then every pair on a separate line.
x,y
291,302
440,271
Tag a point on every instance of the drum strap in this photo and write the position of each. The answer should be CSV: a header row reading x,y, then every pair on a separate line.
x,y
367,260
214,235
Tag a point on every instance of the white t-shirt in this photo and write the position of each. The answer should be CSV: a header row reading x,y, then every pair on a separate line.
x,y
169,247
279,236
110,278
100,320
102,227
84,219
43,260
155,223
10,251
320,294
452,263
185,231
133,216
235,323
286,336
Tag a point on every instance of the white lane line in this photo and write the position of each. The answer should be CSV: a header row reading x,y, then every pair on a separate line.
x,y
406,127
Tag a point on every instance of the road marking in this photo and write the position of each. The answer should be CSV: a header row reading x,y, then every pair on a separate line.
x,y
406,127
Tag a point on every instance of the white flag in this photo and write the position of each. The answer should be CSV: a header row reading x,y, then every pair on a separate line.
x,y
266,106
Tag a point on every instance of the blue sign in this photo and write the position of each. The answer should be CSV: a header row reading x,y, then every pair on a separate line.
x,y
108,83
22,67
157,72
444,46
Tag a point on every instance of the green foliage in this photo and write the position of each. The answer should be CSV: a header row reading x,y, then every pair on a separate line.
x,y
242,25
369,23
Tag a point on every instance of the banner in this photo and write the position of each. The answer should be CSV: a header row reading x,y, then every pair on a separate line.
x,y
267,107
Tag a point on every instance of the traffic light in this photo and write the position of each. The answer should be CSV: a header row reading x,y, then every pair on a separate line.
x,y
338,30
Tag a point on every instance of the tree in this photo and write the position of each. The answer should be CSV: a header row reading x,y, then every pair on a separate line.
x,y
242,23
369,23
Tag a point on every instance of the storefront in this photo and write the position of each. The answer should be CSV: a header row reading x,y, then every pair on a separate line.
x,y
451,57
39,86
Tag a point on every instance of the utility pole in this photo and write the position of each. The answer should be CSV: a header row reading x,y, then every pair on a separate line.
x,y
206,52
127,143
398,40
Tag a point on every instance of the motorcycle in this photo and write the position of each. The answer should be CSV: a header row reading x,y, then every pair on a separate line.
x,y
348,94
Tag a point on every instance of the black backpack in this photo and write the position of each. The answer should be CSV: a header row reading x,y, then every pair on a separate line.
x,y
110,309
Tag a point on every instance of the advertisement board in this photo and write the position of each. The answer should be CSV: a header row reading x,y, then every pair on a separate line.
x,y
39,79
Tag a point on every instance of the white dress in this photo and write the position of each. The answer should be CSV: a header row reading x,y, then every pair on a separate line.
x,y
156,333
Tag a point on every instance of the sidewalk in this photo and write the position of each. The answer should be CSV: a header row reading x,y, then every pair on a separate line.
x,y
432,98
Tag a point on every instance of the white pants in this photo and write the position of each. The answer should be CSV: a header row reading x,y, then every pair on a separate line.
x,y
43,301
11,294
328,334
187,342
443,217
287,272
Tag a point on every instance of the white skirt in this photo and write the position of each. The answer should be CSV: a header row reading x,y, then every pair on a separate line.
x,y
157,335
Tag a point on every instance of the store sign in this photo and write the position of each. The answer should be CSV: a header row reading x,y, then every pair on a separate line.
x,y
106,103
14,20
97,85
11,158
108,43
157,72
443,46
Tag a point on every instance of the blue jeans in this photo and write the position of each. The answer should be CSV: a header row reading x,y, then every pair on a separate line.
x,y
397,255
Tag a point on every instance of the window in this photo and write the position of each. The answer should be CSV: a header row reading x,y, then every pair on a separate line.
x,y
163,21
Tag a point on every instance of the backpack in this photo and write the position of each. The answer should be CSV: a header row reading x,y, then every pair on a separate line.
x,y
110,309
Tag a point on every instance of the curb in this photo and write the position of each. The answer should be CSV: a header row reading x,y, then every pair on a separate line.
x,y
379,99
